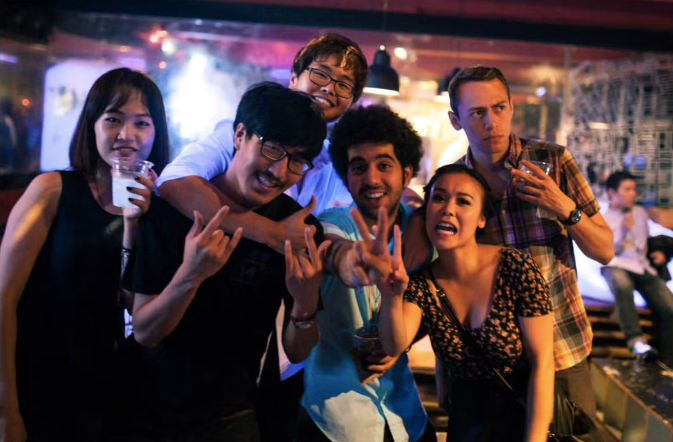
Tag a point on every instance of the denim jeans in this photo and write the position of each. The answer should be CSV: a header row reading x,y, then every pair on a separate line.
x,y
659,299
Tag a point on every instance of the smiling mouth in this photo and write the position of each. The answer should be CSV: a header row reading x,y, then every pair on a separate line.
x,y
446,229
322,101
374,195
267,182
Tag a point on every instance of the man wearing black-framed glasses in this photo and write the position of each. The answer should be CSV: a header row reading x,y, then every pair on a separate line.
x,y
322,78
202,310
273,151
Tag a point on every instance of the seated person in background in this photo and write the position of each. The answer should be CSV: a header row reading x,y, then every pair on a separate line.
x,y
501,300
205,319
376,153
630,269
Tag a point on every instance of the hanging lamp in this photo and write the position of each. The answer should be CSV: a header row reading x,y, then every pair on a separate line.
x,y
382,78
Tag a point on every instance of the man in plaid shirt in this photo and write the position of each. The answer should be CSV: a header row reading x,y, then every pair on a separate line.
x,y
536,212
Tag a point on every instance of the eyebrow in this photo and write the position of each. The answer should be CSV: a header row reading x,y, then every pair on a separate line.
x,y
328,68
499,103
383,156
463,194
115,110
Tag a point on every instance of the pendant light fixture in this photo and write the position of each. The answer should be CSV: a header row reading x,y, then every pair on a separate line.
x,y
382,78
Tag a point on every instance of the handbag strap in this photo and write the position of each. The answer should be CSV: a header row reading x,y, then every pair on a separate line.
x,y
452,316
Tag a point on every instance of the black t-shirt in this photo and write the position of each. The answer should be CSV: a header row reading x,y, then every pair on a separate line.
x,y
208,366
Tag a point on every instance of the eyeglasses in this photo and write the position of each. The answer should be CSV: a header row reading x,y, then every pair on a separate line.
x,y
275,152
322,78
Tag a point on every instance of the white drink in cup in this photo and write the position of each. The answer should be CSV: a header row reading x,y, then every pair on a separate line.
x,y
123,172
546,168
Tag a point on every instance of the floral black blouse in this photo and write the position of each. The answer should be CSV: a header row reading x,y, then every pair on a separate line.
x,y
520,290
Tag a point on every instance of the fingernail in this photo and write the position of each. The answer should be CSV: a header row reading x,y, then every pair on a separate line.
x,y
137,178
131,199
129,188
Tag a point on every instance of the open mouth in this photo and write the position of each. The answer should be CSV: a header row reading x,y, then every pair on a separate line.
x,y
322,101
374,195
266,181
446,229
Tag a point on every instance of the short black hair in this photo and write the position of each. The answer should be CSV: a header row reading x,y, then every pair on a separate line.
x,y
488,205
283,115
468,75
615,179
115,88
346,50
374,124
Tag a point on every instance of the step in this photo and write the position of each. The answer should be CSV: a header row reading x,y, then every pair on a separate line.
x,y
601,321
611,352
636,399
600,310
615,335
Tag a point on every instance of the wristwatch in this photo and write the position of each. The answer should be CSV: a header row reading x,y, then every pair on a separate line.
x,y
574,217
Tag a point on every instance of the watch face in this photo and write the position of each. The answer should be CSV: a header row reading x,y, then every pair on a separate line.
x,y
574,217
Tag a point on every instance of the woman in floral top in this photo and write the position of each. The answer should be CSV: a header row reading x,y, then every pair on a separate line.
x,y
499,296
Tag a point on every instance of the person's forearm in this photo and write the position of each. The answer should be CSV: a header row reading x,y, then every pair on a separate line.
x,y
194,193
298,342
594,239
540,402
157,318
393,332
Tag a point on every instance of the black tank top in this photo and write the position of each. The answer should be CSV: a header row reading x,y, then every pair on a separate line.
x,y
68,316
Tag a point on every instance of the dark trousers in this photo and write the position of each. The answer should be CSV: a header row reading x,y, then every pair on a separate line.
x,y
576,384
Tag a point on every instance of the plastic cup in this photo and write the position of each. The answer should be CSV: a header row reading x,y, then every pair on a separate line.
x,y
123,172
367,339
546,167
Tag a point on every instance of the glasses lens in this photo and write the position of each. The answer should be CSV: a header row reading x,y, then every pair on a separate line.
x,y
299,165
272,151
344,90
319,77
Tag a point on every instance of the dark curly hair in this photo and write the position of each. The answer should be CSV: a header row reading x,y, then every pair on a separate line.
x,y
375,124
488,204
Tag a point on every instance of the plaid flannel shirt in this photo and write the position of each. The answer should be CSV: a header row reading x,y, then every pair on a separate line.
x,y
516,224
